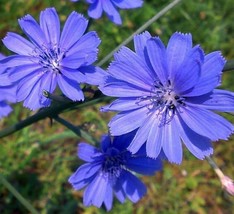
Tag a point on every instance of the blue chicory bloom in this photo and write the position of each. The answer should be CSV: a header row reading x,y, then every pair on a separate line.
x,y
7,92
108,172
97,7
49,58
167,94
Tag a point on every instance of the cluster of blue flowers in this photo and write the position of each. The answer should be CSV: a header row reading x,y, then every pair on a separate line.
x,y
166,96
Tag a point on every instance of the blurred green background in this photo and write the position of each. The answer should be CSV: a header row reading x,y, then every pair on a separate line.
x,y
38,160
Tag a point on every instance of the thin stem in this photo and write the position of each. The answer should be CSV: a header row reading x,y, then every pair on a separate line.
x,y
50,112
20,198
215,167
229,66
56,98
75,129
139,30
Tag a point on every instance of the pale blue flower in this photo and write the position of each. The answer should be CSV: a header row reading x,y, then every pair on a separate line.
x,y
168,94
50,59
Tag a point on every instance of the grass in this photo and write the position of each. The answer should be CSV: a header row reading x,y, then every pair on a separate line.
x,y
38,160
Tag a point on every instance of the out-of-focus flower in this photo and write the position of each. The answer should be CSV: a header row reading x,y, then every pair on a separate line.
x,y
97,7
7,92
49,58
108,172
228,184
167,94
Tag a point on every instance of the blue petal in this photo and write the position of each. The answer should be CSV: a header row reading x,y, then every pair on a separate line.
x,y
119,88
157,55
8,93
73,74
95,10
140,43
131,68
108,200
105,142
143,165
17,60
133,187
25,86
5,80
94,75
128,4
218,100
128,73
33,31
23,71
95,193
119,191
74,28
84,175
18,44
50,24
111,12
70,88
210,75
86,44
32,101
74,61
178,47
171,143
80,58
87,152
154,140
141,134
127,121
4,109
189,72
48,83
206,123
123,141
124,104
198,145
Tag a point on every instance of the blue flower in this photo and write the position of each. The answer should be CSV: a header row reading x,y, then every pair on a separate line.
x,y
108,172
167,94
110,8
7,92
49,59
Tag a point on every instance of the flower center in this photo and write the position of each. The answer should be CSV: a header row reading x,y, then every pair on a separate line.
x,y
164,101
113,162
50,59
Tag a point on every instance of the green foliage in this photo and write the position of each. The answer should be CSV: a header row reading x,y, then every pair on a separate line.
x,y
38,160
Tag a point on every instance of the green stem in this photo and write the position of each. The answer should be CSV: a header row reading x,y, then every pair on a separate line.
x,y
229,66
75,129
52,111
215,167
20,198
139,30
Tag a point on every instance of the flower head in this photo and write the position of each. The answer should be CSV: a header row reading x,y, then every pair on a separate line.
x,y
49,58
107,171
167,94
110,8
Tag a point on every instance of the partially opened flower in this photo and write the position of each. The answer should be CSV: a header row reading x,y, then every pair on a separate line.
x,y
167,94
97,7
108,172
49,59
